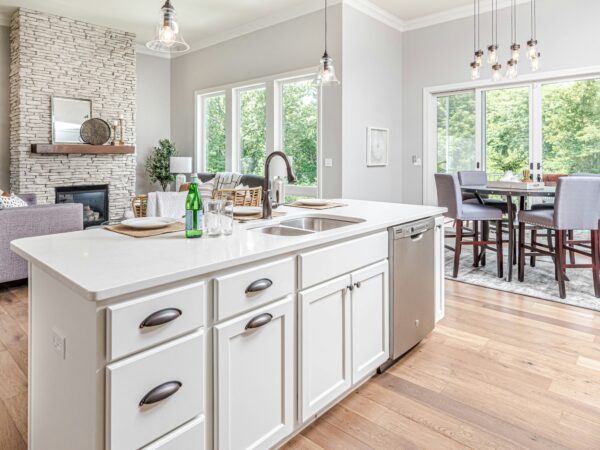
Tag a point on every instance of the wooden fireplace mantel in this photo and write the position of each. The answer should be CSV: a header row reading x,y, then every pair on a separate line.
x,y
65,149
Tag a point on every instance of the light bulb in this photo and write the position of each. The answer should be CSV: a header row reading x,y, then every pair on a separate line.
x,y
478,57
515,52
496,74
511,69
475,72
166,34
535,63
532,49
492,56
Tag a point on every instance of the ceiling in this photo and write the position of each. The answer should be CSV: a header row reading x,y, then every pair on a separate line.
x,y
203,20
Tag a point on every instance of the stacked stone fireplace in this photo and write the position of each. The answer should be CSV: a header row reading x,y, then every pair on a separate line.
x,y
58,56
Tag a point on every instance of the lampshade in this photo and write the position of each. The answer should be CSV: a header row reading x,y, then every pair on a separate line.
x,y
168,37
180,164
277,167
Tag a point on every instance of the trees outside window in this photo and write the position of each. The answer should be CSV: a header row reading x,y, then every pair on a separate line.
x,y
214,132
252,130
456,133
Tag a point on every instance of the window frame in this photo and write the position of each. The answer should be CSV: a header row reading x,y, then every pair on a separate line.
x,y
273,85
534,82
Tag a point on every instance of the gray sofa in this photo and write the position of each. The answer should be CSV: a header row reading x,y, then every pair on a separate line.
x,y
246,180
34,220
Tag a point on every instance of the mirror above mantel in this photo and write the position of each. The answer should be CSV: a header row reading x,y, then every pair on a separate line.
x,y
68,114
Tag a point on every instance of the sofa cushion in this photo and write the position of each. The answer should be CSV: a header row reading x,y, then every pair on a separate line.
x,y
11,201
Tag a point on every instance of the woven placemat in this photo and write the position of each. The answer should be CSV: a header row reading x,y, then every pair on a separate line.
x,y
327,206
122,229
257,216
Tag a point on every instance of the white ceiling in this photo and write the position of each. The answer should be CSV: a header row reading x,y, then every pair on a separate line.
x,y
208,21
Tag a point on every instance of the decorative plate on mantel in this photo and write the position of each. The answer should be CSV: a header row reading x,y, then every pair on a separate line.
x,y
95,131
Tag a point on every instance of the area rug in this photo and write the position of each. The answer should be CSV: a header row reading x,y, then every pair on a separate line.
x,y
539,280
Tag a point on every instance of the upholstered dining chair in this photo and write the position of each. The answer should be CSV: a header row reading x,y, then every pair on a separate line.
x,y
449,196
479,178
577,207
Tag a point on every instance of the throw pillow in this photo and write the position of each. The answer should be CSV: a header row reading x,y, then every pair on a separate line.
x,y
12,201
206,189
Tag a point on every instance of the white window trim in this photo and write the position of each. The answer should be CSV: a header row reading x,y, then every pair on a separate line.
x,y
534,81
273,86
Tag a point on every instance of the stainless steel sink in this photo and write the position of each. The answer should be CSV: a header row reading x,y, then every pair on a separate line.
x,y
317,224
282,231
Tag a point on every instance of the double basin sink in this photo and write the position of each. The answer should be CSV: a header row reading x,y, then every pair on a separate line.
x,y
306,225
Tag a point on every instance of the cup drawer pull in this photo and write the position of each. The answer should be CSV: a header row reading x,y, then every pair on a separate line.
x,y
161,317
259,321
160,393
259,285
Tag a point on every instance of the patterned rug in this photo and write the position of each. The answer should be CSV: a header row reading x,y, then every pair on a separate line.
x,y
539,280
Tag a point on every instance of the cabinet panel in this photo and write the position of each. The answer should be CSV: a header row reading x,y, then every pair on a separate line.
x,y
254,378
187,437
370,320
324,345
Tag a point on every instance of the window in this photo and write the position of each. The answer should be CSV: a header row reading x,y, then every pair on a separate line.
x,y
299,128
252,129
214,144
456,133
239,125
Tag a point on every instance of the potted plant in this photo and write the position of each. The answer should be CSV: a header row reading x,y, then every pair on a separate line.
x,y
158,163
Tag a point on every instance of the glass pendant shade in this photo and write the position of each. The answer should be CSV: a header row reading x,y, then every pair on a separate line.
x,y
492,55
532,49
475,71
535,63
496,74
478,57
326,73
168,37
515,51
511,70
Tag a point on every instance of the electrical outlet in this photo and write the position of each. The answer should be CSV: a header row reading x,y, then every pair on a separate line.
x,y
328,162
59,344
417,161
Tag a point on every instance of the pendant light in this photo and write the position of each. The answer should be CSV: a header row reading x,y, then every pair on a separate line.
x,y
511,65
532,51
492,55
326,74
168,38
476,64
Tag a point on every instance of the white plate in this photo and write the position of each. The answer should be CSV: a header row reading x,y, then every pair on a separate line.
x,y
246,210
148,223
313,201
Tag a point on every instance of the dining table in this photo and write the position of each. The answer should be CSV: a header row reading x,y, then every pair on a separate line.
x,y
509,194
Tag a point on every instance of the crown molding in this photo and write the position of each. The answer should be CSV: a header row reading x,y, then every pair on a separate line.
x,y
453,14
370,9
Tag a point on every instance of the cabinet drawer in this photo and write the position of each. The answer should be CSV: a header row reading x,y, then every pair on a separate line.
x,y
164,316
330,262
247,289
136,380
189,436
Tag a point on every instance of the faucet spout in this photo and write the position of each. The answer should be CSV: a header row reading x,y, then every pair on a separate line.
x,y
267,202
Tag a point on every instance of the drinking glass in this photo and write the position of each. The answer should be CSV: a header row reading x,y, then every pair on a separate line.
x,y
212,217
227,217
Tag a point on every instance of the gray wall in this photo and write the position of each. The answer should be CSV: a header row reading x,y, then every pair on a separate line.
x,y
372,96
292,45
153,112
4,105
439,55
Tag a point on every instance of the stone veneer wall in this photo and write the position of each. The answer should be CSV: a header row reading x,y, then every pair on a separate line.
x,y
52,55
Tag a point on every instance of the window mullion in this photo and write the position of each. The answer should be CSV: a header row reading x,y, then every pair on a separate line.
x,y
536,130
231,130
271,122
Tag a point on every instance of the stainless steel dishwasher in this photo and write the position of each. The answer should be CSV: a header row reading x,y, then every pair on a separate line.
x,y
412,285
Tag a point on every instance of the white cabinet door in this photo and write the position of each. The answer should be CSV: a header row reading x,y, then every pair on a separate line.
x,y
324,345
370,320
254,376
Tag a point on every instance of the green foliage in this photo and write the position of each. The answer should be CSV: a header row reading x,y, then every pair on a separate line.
x,y
253,130
215,133
158,164
456,132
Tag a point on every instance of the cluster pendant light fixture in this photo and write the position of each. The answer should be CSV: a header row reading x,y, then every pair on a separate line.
x,y
168,38
493,58
326,73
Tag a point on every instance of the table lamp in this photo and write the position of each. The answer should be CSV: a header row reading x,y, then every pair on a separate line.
x,y
180,165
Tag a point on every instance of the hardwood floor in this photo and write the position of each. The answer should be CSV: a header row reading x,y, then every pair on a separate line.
x,y
500,371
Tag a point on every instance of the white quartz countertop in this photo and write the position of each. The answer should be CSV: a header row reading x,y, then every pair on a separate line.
x,y
100,264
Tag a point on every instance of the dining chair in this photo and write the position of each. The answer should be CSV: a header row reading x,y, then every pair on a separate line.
x,y
479,178
577,207
449,196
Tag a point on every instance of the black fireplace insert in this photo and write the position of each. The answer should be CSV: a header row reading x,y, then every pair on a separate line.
x,y
93,198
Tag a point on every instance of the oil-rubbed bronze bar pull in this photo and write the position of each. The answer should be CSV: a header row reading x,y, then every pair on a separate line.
x,y
259,321
160,393
161,317
259,285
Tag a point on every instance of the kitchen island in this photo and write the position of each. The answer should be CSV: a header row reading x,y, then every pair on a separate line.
x,y
229,342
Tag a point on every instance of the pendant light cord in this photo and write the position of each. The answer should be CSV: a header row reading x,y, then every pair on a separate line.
x,y
325,26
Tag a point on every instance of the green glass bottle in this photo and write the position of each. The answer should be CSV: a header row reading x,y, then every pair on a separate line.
x,y
193,211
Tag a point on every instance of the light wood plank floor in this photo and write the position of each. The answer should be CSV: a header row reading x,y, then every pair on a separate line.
x,y
500,371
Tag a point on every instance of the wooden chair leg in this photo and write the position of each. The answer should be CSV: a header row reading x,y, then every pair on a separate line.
x,y
475,247
533,242
486,237
499,249
521,258
596,261
560,262
457,248
571,252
